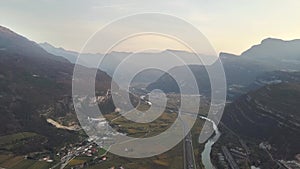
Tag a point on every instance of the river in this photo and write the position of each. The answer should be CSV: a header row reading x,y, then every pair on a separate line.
x,y
206,161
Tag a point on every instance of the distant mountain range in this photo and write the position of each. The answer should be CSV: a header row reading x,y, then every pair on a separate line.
x,y
130,63
109,62
272,53
241,71
69,55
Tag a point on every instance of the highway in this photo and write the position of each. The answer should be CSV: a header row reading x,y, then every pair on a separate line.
x,y
189,158
188,150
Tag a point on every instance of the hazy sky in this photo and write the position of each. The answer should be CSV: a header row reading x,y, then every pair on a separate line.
x,y
230,25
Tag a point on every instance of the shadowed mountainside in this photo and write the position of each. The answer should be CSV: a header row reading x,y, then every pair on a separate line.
x,y
32,79
270,113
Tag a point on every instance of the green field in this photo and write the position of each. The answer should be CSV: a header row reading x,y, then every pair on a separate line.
x,y
14,141
18,162
8,139
20,143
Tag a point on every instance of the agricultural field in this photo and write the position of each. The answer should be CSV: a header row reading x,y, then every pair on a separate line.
x,y
19,162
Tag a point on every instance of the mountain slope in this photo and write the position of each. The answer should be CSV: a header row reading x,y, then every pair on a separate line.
x,y
30,81
168,84
271,114
14,44
69,55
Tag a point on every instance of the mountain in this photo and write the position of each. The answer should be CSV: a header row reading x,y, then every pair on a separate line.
x,y
129,62
109,63
14,44
274,77
276,53
242,71
168,84
35,85
270,113
269,55
69,55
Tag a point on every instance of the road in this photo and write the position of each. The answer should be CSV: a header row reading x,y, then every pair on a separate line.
x,y
69,157
189,158
229,158
188,150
